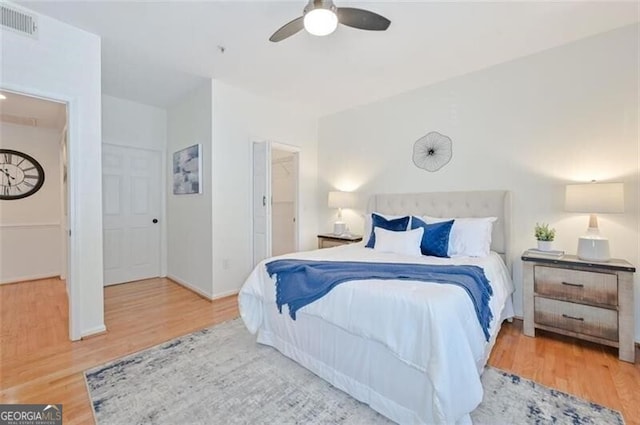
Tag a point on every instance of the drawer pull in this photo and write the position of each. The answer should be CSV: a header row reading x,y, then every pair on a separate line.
x,y
577,285
566,316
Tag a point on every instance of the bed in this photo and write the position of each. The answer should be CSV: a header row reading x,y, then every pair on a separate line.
x,y
413,351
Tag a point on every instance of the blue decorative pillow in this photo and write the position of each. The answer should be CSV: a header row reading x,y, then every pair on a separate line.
x,y
435,239
396,225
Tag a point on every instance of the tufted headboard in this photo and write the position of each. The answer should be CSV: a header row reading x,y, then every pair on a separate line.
x,y
496,203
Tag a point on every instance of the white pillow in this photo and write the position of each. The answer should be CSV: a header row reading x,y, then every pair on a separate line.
x,y
469,237
404,243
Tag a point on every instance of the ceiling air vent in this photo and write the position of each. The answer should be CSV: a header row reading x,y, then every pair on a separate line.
x,y
18,21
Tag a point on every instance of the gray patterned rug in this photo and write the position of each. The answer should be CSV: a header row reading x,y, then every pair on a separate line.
x,y
221,376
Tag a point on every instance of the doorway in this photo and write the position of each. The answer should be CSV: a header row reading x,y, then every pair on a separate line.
x,y
284,182
275,199
34,201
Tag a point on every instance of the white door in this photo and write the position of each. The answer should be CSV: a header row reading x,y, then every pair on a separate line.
x,y
261,201
131,187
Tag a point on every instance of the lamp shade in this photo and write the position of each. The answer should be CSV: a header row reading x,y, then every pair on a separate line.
x,y
342,199
595,198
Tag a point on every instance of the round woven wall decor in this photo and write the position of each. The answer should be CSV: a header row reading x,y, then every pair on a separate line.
x,y
432,152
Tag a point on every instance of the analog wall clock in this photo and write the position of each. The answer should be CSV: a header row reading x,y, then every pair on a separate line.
x,y
20,175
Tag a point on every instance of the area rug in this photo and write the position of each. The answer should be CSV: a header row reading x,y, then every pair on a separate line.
x,y
222,376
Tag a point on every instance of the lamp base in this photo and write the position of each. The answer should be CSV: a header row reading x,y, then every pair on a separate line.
x,y
593,248
339,228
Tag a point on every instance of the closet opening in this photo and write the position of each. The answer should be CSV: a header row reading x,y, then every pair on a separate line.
x,y
275,199
284,202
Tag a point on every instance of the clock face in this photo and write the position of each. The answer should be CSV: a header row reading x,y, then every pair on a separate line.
x,y
20,175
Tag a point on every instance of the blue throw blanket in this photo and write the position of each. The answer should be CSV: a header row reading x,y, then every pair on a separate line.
x,y
301,282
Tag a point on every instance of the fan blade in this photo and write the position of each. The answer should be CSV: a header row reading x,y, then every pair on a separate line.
x,y
362,19
287,30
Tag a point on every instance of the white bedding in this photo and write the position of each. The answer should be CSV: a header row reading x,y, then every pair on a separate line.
x,y
430,327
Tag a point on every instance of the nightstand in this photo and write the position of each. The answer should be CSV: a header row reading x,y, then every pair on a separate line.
x,y
586,300
327,240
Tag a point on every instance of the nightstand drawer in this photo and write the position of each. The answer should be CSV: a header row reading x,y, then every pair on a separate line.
x,y
328,240
579,318
329,243
576,285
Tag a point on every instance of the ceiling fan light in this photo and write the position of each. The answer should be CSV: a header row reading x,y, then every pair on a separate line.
x,y
320,22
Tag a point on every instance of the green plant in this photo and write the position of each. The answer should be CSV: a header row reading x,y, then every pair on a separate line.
x,y
543,233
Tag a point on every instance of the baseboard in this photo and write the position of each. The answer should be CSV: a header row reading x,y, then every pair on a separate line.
x,y
190,287
93,332
29,278
225,294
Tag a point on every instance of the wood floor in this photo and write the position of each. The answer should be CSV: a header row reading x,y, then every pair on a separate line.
x,y
581,368
39,365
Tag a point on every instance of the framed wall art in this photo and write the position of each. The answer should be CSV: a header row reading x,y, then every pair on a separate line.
x,y
432,152
187,170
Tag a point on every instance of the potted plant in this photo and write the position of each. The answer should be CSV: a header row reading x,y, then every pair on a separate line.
x,y
545,236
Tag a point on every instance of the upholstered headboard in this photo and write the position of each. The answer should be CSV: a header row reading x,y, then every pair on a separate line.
x,y
495,203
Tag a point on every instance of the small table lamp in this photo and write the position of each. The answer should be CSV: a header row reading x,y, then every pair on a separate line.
x,y
341,200
594,198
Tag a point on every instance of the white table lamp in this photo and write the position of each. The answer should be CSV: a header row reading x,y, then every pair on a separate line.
x,y
341,200
594,198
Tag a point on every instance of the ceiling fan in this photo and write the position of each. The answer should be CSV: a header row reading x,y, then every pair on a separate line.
x,y
321,17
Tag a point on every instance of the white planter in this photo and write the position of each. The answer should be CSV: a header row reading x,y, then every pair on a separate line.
x,y
545,245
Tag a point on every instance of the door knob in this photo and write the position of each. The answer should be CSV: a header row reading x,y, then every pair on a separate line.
x,y
155,220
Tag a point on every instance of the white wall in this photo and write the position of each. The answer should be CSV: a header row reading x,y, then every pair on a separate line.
x,y
240,118
136,125
133,124
30,227
64,63
189,217
530,126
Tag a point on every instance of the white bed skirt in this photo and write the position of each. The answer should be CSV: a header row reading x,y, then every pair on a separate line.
x,y
363,368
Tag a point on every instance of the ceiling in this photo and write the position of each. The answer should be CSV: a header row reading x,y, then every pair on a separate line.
x,y
32,111
154,52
